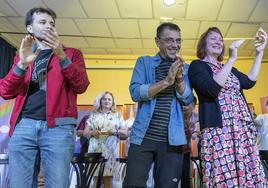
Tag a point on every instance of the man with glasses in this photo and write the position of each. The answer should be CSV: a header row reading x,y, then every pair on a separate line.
x,y
161,87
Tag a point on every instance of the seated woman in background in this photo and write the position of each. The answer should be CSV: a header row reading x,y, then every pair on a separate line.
x,y
104,127
229,153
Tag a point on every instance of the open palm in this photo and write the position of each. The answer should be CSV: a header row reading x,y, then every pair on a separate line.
x,y
233,48
261,40
25,52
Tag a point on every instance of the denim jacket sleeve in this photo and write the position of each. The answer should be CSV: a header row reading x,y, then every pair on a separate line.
x,y
139,84
186,97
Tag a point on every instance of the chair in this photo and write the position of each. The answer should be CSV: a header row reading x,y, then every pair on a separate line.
x,y
196,161
264,155
122,168
85,167
3,159
264,158
4,174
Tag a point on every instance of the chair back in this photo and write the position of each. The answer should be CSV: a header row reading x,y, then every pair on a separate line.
x,y
85,166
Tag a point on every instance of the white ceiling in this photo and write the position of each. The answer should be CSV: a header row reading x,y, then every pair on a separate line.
x,y
128,26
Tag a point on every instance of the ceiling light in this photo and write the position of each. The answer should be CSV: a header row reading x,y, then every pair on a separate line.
x,y
165,19
169,2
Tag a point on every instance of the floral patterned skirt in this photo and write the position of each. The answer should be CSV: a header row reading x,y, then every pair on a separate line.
x,y
230,157
109,147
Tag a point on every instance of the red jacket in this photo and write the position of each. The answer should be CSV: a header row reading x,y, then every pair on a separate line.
x,y
63,85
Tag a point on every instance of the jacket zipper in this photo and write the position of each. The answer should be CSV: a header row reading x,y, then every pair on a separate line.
x,y
49,59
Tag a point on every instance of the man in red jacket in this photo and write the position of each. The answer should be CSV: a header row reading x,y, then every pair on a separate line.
x,y
45,80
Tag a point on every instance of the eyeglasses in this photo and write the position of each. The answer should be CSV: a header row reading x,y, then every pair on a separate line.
x,y
170,41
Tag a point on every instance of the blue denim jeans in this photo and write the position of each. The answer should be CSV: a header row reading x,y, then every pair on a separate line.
x,y
55,145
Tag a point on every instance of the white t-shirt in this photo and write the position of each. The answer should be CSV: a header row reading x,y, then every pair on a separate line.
x,y
262,120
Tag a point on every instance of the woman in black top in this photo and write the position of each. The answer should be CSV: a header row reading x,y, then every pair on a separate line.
x,y
229,152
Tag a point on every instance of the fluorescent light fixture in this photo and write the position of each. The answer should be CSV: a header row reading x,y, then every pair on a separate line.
x,y
169,2
165,19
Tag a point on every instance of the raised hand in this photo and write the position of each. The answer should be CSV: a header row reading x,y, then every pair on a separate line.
x,y
179,80
25,52
261,40
51,39
170,79
180,72
233,48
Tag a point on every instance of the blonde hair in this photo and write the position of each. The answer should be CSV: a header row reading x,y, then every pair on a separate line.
x,y
97,102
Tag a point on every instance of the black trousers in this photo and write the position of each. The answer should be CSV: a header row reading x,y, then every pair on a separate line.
x,y
186,178
167,169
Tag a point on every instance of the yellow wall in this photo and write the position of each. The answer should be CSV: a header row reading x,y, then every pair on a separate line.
x,y
115,81
108,73
113,73
260,89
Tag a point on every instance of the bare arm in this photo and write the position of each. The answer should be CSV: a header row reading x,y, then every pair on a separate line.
x,y
157,87
90,133
260,43
222,75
